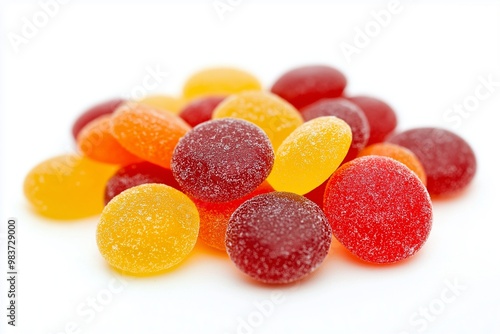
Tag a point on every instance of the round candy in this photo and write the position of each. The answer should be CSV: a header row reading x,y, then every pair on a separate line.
x,y
308,84
399,153
310,155
200,110
96,142
347,111
135,175
378,208
449,162
269,112
381,117
164,102
90,114
214,217
278,237
147,229
222,160
148,133
219,81
67,187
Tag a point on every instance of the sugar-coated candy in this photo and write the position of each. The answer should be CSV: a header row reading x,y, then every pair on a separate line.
x,y
96,142
148,133
147,229
271,113
200,110
219,81
164,102
378,209
92,113
222,160
278,237
310,155
380,115
399,153
214,217
136,174
448,161
347,111
67,186
308,84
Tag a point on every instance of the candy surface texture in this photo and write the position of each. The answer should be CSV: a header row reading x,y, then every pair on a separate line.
x,y
104,108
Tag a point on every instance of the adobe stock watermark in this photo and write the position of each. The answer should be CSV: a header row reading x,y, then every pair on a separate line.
x,y
222,7
31,26
87,310
154,77
363,36
462,110
420,320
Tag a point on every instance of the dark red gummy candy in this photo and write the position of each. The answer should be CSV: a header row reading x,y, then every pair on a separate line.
x,y
200,110
96,111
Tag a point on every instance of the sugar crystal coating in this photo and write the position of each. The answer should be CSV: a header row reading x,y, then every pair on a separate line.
x,y
104,108
200,110
347,111
448,160
67,186
278,237
310,155
378,209
147,229
380,115
222,160
148,133
136,174
96,142
269,112
308,84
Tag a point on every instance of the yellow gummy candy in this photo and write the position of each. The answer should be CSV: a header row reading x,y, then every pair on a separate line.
x,y
68,186
147,229
164,102
271,113
310,155
219,81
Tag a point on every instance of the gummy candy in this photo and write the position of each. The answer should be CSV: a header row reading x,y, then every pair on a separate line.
x,y
347,111
200,110
222,160
214,217
449,162
148,133
310,155
269,112
147,229
399,153
219,81
97,143
137,174
378,208
278,237
67,186
381,117
164,102
308,84
90,114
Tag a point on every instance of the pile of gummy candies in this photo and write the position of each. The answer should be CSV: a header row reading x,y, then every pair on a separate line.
x,y
267,176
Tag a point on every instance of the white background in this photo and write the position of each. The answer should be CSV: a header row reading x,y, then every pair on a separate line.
x,y
428,58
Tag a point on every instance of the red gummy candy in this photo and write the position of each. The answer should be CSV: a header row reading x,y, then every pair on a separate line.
x,y
200,110
378,209
347,111
96,111
305,85
222,160
278,237
380,115
137,174
448,161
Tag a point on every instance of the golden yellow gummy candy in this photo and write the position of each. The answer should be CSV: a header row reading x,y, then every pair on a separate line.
x,y
68,186
147,229
310,155
164,102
